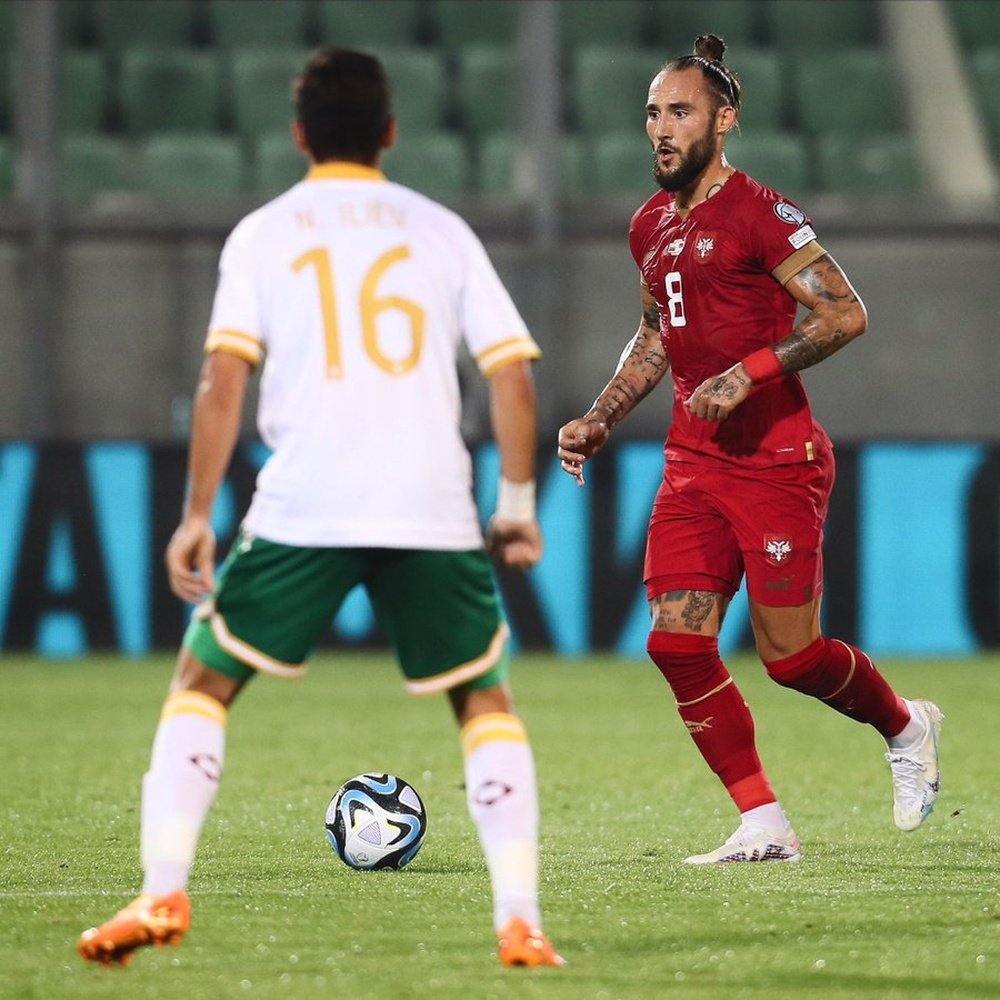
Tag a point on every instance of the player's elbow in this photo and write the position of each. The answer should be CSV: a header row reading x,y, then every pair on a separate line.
x,y
855,319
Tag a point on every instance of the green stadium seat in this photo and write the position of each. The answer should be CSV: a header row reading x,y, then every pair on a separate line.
x,y
763,88
875,166
8,27
74,23
985,67
153,23
176,167
92,164
854,90
435,163
6,168
777,159
83,91
821,25
622,166
6,87
377,23
611,86
169,90
497,164
976,22
459,22
677,25
260,23
261,82
419,86
277,165
487,88
602,22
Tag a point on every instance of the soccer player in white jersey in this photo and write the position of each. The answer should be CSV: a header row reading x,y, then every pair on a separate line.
x,y
353,294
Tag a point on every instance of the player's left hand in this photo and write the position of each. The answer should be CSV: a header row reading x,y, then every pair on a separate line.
x,y
516,544
717,397
190,560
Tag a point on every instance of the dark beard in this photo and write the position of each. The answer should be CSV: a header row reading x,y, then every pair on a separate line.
x,y
691,164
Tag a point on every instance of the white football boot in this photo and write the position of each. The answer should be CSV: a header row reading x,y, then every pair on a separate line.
x,y
752,843
916,776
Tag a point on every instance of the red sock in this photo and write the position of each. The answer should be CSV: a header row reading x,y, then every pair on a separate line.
x,y
714,713
846,679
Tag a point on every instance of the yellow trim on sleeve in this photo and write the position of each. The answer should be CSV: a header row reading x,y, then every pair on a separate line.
x,y
194,703
512,349
343,171
243,345
802,258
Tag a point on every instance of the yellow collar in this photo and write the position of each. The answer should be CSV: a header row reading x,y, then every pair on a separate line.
x,y
343,171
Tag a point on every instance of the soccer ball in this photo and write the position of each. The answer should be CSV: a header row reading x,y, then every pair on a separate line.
x,y
376,821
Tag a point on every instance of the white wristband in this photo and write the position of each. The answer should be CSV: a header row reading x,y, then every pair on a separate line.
x,y
516,501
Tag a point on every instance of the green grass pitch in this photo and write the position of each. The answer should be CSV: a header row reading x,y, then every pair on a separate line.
x,y
868,913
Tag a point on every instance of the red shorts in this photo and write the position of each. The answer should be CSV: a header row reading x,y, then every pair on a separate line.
x,y
710,525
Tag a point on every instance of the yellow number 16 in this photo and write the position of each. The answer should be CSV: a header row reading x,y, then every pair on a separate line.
x,y
371,306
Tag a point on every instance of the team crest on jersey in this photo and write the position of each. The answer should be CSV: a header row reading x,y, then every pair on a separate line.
x,y
777,548
704,247
789,213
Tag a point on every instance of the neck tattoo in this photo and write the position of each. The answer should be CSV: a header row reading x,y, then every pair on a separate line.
x,y
714,189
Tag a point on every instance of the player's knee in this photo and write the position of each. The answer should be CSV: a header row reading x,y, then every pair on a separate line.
x,y
684,659
789,670
193,675
467,702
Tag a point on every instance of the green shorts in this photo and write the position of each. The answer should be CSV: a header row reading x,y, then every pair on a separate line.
x,y
273,602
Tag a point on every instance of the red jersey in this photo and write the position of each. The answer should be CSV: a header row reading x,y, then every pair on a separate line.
x,y
711,275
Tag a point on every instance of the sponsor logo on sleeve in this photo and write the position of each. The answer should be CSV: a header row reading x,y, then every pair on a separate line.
x,y
802,236
789,213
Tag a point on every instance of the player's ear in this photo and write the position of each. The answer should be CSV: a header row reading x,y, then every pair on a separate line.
x,y
726,118
390,134
299,135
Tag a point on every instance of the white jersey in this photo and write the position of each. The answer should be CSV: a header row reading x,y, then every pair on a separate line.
x,y
355,293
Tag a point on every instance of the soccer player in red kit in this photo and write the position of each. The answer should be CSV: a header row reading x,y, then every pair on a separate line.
x,y
724,264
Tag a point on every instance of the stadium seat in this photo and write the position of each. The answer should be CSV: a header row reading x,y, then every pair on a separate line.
x,y
261,82
795,26
497,164
237,24
91,164
277,165
419,86
436,163
487,88
677,25
611,84
374,23
153,23
458,22
777,159
169,90
854,90
977,23
7,27
985,66
622,166
83,91
763,88
175,167
877,166
6,168
602,22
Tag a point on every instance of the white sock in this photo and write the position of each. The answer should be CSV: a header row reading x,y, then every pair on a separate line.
x,y
910,733
770,816
503,802
180,787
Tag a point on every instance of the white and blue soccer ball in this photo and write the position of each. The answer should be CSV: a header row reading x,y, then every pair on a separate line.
x,y
376,821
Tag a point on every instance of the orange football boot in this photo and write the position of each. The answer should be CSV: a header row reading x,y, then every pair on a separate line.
x,y
147,920
522,944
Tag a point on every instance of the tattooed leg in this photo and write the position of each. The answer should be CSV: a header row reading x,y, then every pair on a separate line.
x,y
695,611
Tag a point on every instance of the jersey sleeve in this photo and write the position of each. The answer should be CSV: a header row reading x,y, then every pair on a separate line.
x,y
784,238
235,326
493,328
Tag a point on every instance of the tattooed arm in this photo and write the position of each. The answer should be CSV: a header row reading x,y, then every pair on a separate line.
x,y
837,315
643,363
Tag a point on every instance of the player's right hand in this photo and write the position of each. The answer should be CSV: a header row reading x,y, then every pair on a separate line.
x,y
190,560
578,441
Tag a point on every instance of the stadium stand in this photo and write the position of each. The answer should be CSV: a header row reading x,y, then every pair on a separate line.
x,y
6,168
498,158
260,88
434,161
457,23
163,24
486,88
676,25
238,24
84,90
190,167
778,159
169,90
977,23
420,87
277,165
375,23
621,165
985,69
870,166
610,86
796,26
602,22
91,164
760,71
